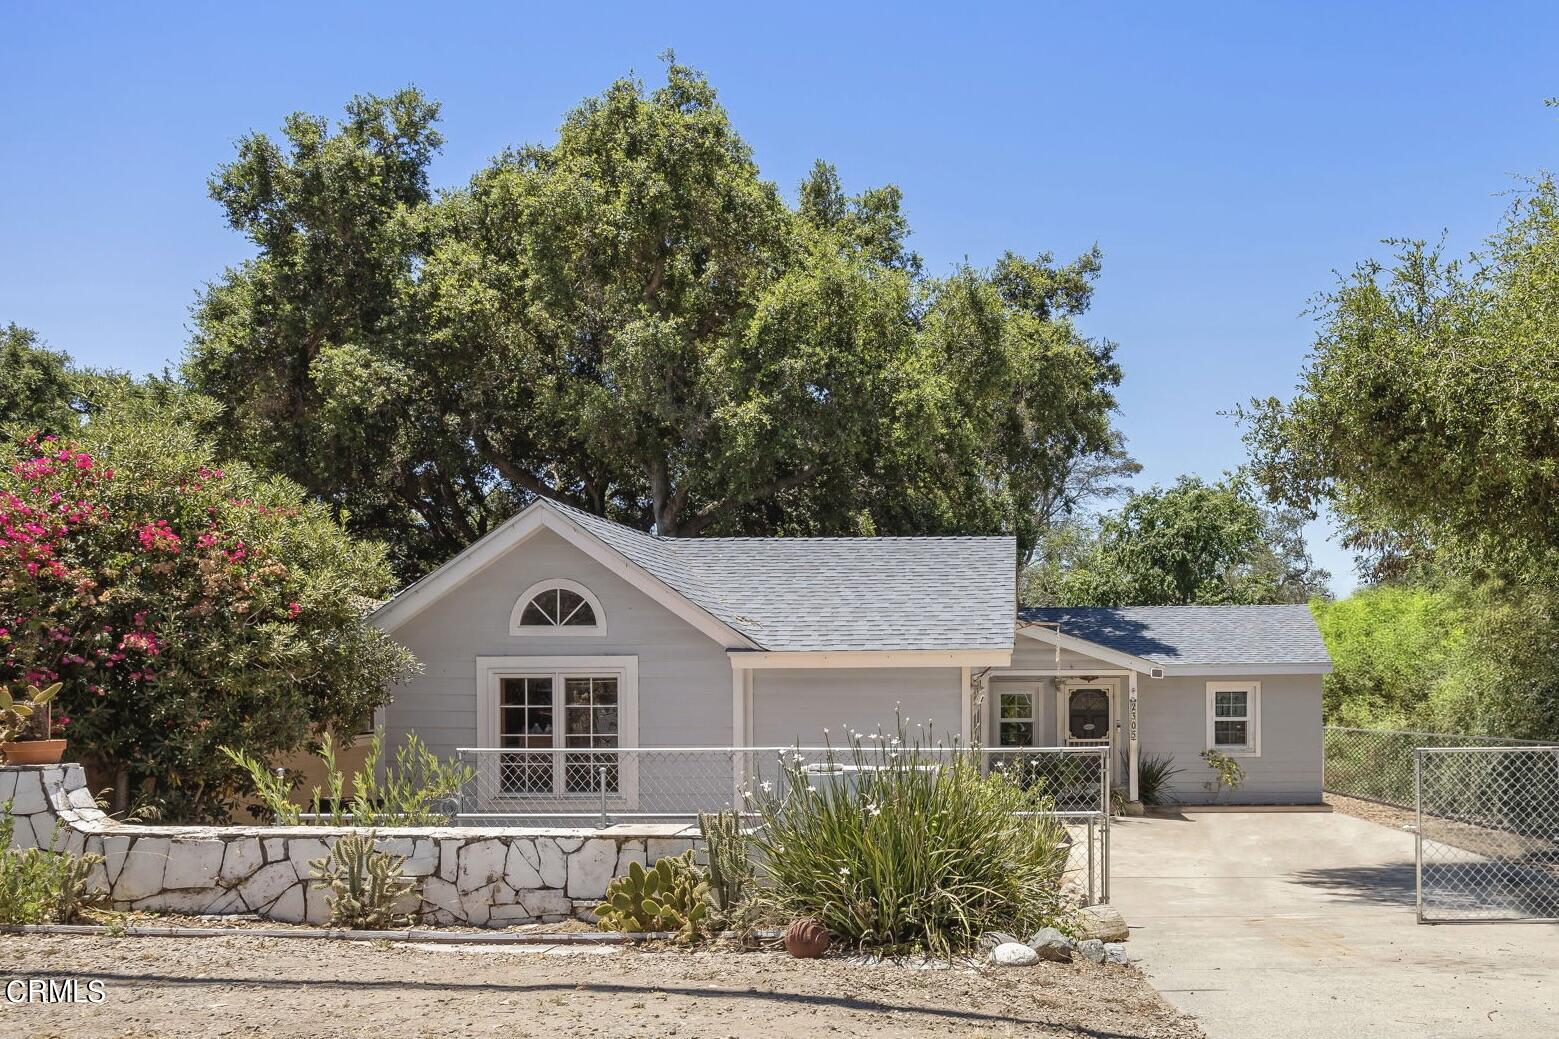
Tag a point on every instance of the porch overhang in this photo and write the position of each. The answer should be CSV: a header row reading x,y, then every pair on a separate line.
x,y
753,660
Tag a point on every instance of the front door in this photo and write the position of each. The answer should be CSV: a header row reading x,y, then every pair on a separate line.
x,y
1087,716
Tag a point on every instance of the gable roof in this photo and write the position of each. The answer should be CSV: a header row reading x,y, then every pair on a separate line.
x,y
791,594
1198,639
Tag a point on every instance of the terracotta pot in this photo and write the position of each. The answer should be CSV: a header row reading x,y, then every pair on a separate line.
x,y
806,938
33,752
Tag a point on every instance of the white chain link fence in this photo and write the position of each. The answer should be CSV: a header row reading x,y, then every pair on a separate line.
x,y
1488,833
601,787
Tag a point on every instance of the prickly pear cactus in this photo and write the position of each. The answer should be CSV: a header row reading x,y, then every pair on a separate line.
x,y
366,884
672,896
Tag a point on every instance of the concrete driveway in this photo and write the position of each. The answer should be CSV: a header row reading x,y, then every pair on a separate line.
x,y
1270,925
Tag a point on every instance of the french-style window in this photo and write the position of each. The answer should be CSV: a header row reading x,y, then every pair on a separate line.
x,y
1234,717
529,707
558,724
1015,727
557,607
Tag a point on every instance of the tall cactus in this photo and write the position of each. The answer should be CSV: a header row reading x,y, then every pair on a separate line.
x,y
366,884
731,872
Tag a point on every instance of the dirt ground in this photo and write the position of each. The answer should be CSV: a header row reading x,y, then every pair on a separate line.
x,y
269,987
1373,811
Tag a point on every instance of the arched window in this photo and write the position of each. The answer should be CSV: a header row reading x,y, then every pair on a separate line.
x,y
557,607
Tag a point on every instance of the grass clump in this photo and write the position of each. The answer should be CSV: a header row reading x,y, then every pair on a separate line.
x,y
897,845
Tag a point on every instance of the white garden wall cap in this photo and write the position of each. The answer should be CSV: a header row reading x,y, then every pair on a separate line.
x,y
1184,639
811,593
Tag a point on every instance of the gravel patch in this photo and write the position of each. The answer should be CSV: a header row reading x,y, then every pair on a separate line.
x,y
253,987
1373,811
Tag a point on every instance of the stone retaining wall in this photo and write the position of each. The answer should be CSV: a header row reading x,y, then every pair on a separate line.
x,y
467,876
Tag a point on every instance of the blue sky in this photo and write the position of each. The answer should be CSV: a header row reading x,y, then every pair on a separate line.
x,y
1227,158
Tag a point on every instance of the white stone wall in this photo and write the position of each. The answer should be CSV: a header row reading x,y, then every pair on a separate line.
x,y
466,876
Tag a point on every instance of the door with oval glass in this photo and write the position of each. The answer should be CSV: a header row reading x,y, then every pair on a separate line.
x,y
1087,714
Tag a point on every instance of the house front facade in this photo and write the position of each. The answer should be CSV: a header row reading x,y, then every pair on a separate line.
x,y
563,630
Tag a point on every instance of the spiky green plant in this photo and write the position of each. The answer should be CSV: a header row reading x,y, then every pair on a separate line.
x,y
731,871
1154,771
18,717
671,896
898,843
366,884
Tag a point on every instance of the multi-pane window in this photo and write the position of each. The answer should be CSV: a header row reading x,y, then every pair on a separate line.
x,y
1015,727
1231,717
529,708
558,608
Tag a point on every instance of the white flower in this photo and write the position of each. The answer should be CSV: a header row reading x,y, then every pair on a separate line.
x,y
844,871
874,809
767,786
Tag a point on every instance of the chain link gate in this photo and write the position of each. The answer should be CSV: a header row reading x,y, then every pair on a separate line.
x,y
1487,833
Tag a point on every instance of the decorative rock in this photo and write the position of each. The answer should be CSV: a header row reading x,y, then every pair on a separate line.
x,y
806,938
303,850
546,903
1115,952
143,869
1102,922
423,859
481,864
263,888
239,861
631,851
590,868
193,863
1092,950
27,798
522,869
441,894
115,851
316,904
1014,954
990,939
1051,944
290,907
552,862
448,860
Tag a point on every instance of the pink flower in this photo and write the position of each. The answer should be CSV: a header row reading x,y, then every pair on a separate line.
x,y
159,537
293,609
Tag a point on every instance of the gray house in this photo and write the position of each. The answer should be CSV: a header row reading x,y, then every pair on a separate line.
x,y
563,629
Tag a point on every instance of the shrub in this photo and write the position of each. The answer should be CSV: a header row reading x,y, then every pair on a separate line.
x,y
183,605
419,789
1154,771
366,885
1226,772
673,895
902,847
41,885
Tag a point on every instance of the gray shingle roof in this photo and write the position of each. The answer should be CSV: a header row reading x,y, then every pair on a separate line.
x,y
1195,634
836,593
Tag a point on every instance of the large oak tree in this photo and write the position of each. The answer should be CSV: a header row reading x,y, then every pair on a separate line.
x,y
633,320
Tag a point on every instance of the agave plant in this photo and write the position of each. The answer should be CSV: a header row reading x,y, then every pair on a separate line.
x,y
19,716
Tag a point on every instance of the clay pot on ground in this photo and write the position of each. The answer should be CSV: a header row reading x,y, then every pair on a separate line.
x,y
806,938
33,752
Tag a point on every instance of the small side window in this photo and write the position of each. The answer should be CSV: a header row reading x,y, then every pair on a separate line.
x,y
557,607
1233,717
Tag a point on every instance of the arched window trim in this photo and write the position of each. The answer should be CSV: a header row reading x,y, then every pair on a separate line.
x,y
554,630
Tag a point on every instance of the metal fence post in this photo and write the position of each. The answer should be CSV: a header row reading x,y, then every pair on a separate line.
x,y
602,773
1418,834
1091,900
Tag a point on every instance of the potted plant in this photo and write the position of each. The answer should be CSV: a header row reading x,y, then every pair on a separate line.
x,y
27,727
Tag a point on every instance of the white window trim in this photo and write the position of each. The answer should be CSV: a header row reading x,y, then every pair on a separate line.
x,y
1253,708
490,672
557,630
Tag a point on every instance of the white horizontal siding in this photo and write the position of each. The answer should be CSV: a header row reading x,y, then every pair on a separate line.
x,y
793,706
1172,715
684,676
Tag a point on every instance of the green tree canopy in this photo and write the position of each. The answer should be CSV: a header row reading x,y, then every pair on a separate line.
x,y
1427,416
1193,543
37,391
633,320
184,605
